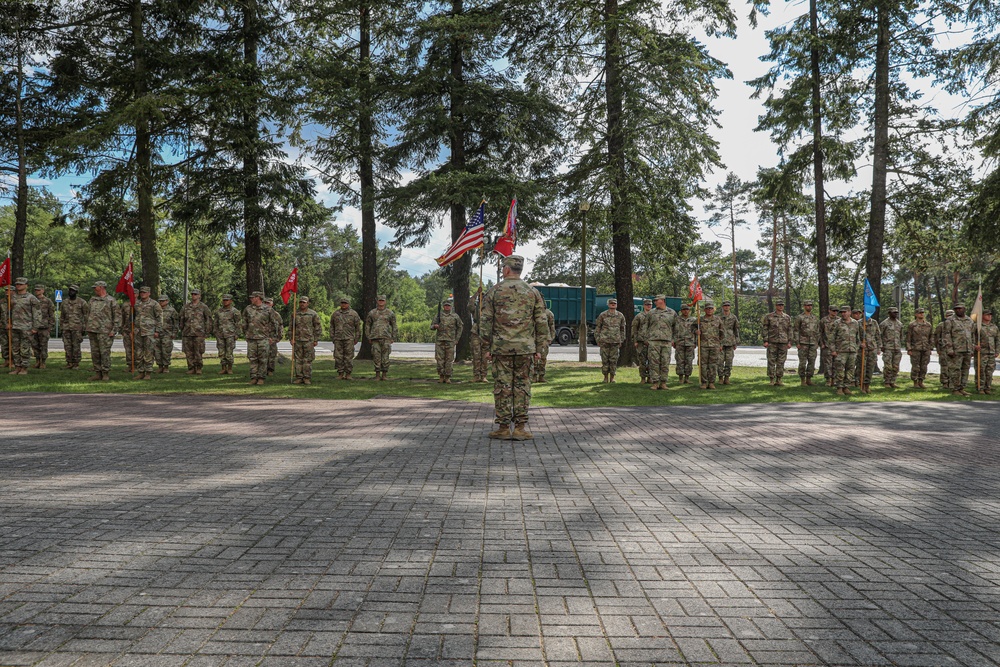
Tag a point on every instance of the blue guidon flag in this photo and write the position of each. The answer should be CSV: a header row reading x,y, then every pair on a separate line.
x,y
871,301
470,239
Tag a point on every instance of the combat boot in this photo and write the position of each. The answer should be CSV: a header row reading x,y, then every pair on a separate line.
x,y
197,371
95,377
653,386
541,380
105,377
866,389
147,376
440,379
847,392
612,380
809,382
38,364
802,382
726,380
297,381
521,432
41,364
502,432
347,376
605,380
447,380
779,383
189,371
222,371
703,386
840,391
663,386
711,385
306,381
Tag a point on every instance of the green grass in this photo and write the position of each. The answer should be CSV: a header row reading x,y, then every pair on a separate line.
x,y
570,385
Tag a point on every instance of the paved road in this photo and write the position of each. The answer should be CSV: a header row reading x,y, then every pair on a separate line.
x,y
225,531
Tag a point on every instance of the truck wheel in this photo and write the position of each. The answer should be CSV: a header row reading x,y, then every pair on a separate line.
x,y
564,336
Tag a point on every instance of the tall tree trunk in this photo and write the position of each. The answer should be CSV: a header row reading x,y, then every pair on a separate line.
x,y
937,288
880,156
732,237
854,284
21,212
459,275
774,260
144,160
956,279
366,174
788,270
819,194
252,245
916,290
621,239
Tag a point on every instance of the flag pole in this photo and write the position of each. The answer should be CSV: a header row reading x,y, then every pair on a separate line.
x,y
864,347
295,296
10,333
979,335
131,320
697,315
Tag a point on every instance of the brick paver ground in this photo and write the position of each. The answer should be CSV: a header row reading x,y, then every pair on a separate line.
x,y
143,530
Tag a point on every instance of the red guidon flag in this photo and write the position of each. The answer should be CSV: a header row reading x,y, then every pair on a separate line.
x,y
694,291
291,285
125,285
5,272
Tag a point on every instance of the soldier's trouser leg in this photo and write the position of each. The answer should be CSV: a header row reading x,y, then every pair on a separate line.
x,y
272,356
960,371
226,346
609,358
777,353
891,360
143,354
541,363
688,357
305,353
825,363
988,366
163,349
343,356
807,361
476,347
710,364
844,365
381,348
919,361
40,345
511,388
71,343
728,354
643,355
444,355
100,352
257,355
187,345
659,361
21,348
4,349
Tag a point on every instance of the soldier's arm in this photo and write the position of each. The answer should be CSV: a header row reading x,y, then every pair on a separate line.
x,y
395,329
460,327
317,329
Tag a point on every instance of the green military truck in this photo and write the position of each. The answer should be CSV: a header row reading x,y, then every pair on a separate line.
x,y
564,302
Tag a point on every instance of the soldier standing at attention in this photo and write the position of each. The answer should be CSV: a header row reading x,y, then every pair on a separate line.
x,y
103,319
710,358
476,341
826,326
148,319
943,360
279,327
805,338
514,329
777,329
730,341
891,330
258,328
25,319
308,331
40,339
72,319
550,318
380,327
609,332
919,342
345,330
127,330
640,342
196,324
959,346
845,339
170,324
448,326
660,325
3,324
988,346
228,326
686,342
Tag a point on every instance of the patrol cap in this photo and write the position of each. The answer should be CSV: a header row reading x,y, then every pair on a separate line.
x,y
612,301
649,301
303,299
709,304
779,302
76,287
920,310
845,309
381,297
515,262
268,299
163,297
145,289
988,312
257,293
855,310
807,302
949,312
659,297
100,283
344,299
833,307
447,302
894,309
958,305
685,306
21,281
726,303
39,286
227,297
195,290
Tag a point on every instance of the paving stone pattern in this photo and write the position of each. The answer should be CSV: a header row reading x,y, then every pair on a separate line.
x,y
202,531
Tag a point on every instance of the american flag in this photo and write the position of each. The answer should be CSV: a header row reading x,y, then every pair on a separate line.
x,y
471,238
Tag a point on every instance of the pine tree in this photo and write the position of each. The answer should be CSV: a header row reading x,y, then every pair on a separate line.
x,y
728,205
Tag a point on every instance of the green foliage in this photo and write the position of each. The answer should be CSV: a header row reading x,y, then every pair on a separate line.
x,y
416,332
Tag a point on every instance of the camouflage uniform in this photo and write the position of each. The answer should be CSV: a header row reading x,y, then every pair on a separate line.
x,y
958,345
258,328
25,315
381,329
104,319
730,340
943,361
777,330
345,331
163,346
641,345
685,342
806,338
609,332
871,345
72,320
148,319
308,330
712,332
4,348
449,330
279,326
550,317
40,339
891,331
476,342
660,325
127,329
919,342
196,324
514,328
988,339
227,323
826,326
845,340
